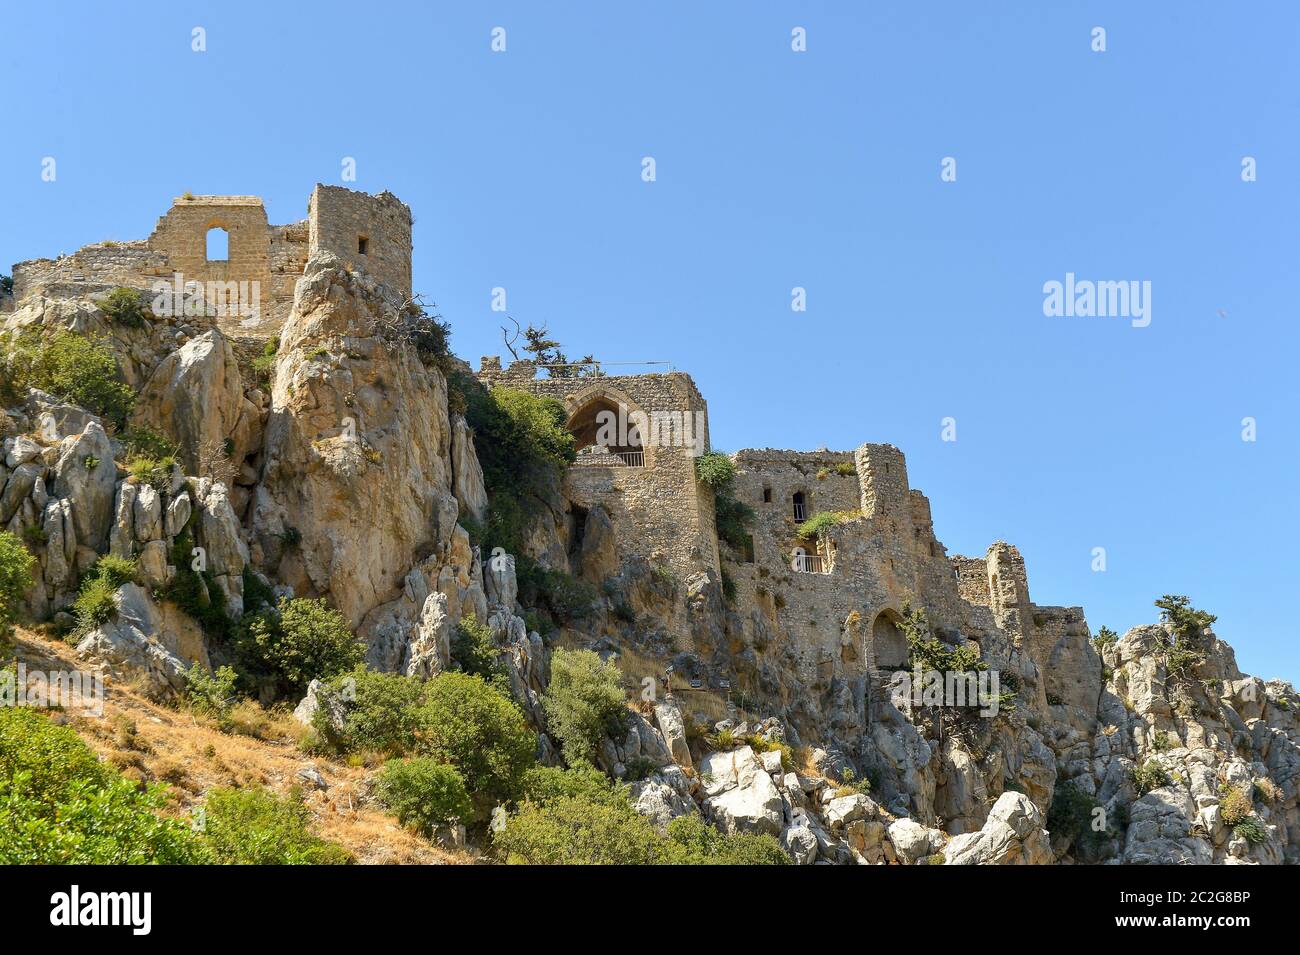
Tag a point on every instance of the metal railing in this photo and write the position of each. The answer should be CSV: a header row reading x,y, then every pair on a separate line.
x,y
810,564
611,459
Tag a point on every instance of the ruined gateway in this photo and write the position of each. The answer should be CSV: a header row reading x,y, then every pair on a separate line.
x,y
353,478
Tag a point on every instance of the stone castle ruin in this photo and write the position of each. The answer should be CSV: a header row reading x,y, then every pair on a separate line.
x,y
245,266
350,475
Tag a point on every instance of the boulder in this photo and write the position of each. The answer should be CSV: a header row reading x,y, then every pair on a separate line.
x,y
1013,834
196,398
663,796
740,796
430,652
673,728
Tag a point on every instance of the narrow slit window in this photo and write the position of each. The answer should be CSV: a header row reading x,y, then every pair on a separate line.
x,y
362,244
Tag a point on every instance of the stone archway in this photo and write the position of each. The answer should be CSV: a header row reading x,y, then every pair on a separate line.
x,y
609,421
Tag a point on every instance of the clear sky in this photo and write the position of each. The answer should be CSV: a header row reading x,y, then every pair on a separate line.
x,y
776,169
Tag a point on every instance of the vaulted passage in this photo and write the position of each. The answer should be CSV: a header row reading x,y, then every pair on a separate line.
x,y
599,424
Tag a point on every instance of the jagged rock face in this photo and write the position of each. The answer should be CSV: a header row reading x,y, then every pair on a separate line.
x,y
357,448
143,639
196,397
85,475
467,474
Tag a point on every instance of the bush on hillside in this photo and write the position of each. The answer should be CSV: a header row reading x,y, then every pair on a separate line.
x,y
298,640
16,564
80,369
423,793
584,703
60,806
257,827
473,727
382,713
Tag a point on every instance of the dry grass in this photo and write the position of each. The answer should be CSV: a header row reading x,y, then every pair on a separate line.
x,y
149,742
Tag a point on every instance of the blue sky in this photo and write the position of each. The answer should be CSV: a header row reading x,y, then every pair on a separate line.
x,y
778,169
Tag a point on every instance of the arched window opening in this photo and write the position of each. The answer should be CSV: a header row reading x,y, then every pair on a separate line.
x,y
218,244
800,507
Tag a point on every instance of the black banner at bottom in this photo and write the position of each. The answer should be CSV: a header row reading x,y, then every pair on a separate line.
x,y
143,906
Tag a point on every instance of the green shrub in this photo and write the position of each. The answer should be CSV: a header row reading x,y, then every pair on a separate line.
x,y
578,817
692,841
382,713
1105,637
1235,804
584,703
1150,776
525,445
819,525
264,363
96,604
212,695
1071,815
156,472
116,570
467,723
299,640
733,520
142,442
257,827
81,369
423,793
1161,742
195,593
1185,620
545,785
124,307
714,469
60,806
1252,830
567,597
576,831
16,564
473,651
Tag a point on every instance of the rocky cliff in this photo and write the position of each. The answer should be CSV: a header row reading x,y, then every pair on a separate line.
x,y
349,476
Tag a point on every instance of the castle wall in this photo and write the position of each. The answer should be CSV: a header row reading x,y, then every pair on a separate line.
x,y
269,258
340,220
94,268
659,511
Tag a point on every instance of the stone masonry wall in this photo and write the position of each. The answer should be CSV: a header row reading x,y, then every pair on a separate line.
x,y
341,220
659,511
273,256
